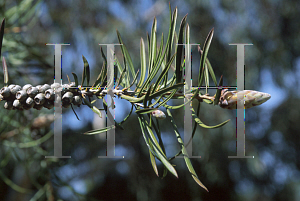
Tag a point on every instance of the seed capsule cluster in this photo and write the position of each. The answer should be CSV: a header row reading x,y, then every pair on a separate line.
x,y
40,96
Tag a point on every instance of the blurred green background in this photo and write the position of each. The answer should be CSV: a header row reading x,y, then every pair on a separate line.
x,y
272,65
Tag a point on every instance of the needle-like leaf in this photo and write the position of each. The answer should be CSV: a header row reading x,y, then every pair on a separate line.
x,y
1,33
185,154
86,71
179,50
5,72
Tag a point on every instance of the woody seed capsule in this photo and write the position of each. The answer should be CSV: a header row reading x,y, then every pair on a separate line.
x,y
8,105
15,89
38,86
55,86
49,94
32,91
27,86
39,99
77,100
29,102
21,95
11,86
5,92
43,88
17,104
67,97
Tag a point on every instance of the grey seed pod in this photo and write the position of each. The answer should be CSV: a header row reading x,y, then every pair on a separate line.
x,y
67,97
38,86
29,102
77,100
55,85
39,99
17,104
44,88
5,92
49,104
38,107
32,91
21,95
15,89
27,86
11,86
49,94
8,105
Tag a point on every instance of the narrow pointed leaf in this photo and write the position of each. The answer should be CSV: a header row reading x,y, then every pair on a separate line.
x,y
126,54
152,159
184,152
179,50
134,79
163,73
121,77
147,96
76,79
146,137
211,71
2,33
86,71
173,19
5,72
98,131
160,153
145,111
165,90
152,44
197,120
143,63
205,51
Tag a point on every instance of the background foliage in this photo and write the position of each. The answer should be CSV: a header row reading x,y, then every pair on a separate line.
x,y
272,132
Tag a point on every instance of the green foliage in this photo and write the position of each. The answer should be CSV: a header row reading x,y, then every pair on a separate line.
x,y
154,93
155,88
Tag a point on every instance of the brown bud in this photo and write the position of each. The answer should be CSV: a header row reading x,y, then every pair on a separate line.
x,y
247,98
